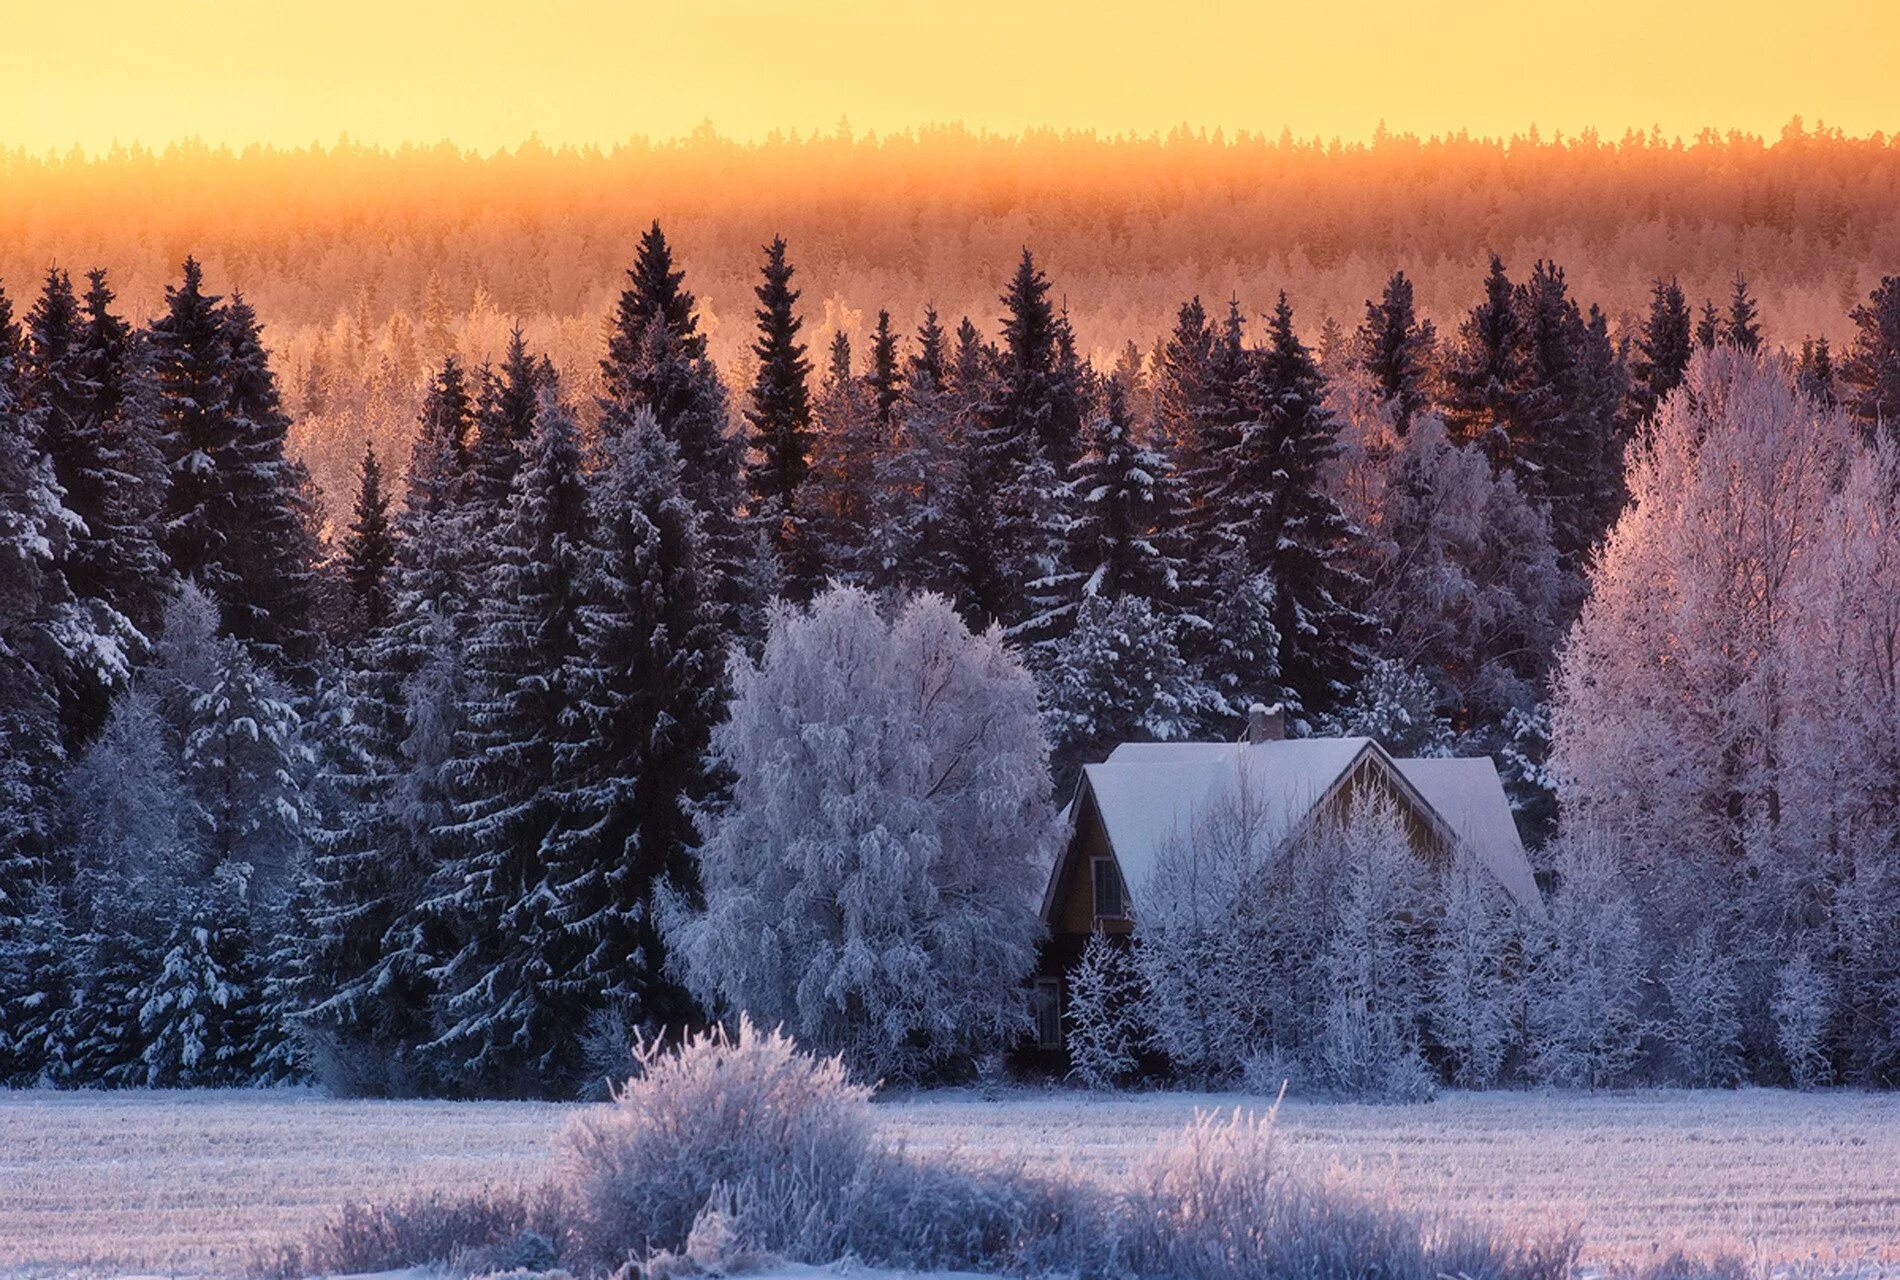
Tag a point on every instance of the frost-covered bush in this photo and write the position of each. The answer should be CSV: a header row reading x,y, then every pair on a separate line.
x,y
871,883
1220,1203
1802,1007
733,1111
1104,1008
1704,1028
492,1229
1475,1001
1587,969
1372,964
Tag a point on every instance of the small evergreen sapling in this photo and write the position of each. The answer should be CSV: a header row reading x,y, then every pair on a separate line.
x,y
1104,1004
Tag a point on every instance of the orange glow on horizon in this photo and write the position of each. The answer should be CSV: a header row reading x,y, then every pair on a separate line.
x,y
486,74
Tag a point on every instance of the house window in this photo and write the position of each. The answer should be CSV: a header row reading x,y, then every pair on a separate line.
x,y
1111,902
1046,1005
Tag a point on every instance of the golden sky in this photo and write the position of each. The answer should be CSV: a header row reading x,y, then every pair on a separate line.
x,y
486,73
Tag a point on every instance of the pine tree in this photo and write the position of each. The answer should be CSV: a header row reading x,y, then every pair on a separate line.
x,y
1814,372
369,551
35,528
648,684
245,762
501,1032
504,420
885,380
1395,348
841,491
1122,493
780,432
198,1013
1743,327
1663,349
1483,369
1708,327
917,477
656,359
1871,372
1280,523
272,537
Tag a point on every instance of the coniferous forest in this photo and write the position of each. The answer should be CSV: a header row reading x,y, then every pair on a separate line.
x,y
457,780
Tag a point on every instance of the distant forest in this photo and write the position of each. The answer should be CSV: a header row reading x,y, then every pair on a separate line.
x,y
369,266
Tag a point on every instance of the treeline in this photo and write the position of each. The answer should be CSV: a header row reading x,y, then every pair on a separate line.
x,y
373,265
400,807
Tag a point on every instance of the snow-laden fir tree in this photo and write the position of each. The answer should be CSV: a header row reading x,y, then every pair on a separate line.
x,y
1703,1027
1278,522
885,377
1103,1030
1662,351
1743,326
656,359
1584,987
1476,1006
1483,366
245,761
1372,966
505,415
1122,496
1117,677
1870,374
35,643
198,1013
870,881
648,686
501,1027
126,814
779,425
917,476
1396,350
38,986
369,552
850,446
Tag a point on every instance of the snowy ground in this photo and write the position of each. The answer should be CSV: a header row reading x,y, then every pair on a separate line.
x,y
187,1181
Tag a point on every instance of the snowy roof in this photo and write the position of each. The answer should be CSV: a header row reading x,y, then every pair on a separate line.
x,y
1149,793
1469,796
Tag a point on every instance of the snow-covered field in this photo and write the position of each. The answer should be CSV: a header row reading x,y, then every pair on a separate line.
x,y
188,1181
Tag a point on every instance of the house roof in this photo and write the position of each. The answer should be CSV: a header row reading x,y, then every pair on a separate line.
x,y
1149,793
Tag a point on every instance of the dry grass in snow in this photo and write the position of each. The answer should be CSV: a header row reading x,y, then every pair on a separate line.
x,y
190,1181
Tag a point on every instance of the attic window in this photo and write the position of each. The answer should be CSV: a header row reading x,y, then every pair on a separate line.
x,y
1111,900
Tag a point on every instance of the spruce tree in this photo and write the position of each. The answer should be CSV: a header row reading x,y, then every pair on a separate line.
x,y
1121,492
34,530
649,684
502,1033
1708,328
1871,373
1280,525
190,355
885,378
976,556
779,426
1041,393
1483,369
1814,372
1663,349
1395,348
504,419
842,486
1743,327
917,476
369,551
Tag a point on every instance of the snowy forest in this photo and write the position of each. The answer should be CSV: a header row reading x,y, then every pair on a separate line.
x,y
663,690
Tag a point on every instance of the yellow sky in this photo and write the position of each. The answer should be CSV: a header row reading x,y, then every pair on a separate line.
x,y
486,73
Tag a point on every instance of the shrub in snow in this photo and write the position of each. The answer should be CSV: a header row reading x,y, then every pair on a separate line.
x,y
871,881
1372,963
1704,1027
1587,971
724,1111
482,1232
1219,1202
1104,1003
1802,1007
1474,1001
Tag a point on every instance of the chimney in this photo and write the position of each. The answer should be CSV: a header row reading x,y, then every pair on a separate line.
x,y
1266,724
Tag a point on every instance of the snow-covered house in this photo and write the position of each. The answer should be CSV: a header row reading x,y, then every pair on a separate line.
x,y
1145,796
